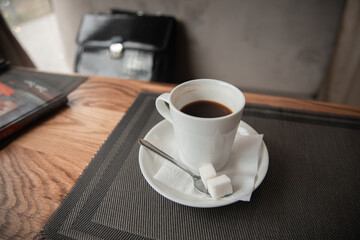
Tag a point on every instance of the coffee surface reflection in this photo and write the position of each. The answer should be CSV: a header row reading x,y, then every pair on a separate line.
x,y
206,109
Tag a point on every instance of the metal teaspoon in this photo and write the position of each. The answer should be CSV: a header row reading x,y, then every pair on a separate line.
x,y
198,184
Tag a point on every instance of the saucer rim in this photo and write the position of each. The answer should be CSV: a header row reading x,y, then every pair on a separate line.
x,y
204,202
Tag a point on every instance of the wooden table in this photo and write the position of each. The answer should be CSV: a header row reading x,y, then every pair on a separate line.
x,y
38,169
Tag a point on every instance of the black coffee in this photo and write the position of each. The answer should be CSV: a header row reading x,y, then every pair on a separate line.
x,y
206,109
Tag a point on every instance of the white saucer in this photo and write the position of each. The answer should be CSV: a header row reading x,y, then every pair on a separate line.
x,y
162,136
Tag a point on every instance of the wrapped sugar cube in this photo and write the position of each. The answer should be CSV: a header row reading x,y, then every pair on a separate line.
x,y
219,186
206,172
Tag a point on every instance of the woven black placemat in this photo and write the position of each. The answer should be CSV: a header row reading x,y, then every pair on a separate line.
x,y
311,191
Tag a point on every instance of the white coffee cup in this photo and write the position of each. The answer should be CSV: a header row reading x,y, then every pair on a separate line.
x,y
203,140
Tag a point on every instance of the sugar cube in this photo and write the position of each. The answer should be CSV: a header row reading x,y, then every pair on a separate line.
x,y
219,186
206,172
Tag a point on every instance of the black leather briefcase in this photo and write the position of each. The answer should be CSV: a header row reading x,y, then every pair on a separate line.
x,y
128,45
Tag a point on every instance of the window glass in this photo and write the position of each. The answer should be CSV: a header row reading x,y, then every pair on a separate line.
x,y
35,26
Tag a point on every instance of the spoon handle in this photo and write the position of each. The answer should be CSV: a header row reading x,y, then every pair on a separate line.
x,y
148,145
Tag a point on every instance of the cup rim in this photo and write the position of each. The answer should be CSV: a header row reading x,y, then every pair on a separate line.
x,y
212,81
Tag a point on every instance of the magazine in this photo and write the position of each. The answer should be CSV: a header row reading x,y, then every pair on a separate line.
x,y
26,96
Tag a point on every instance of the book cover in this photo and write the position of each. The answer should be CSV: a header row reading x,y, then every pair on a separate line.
x,y
26,96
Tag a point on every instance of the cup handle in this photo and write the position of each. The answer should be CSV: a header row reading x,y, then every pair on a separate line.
x,y
162,106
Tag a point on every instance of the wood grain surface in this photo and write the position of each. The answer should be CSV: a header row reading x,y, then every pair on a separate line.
x,y
38,169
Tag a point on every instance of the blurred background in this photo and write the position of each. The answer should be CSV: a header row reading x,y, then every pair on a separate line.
x,y
34,24
298,48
